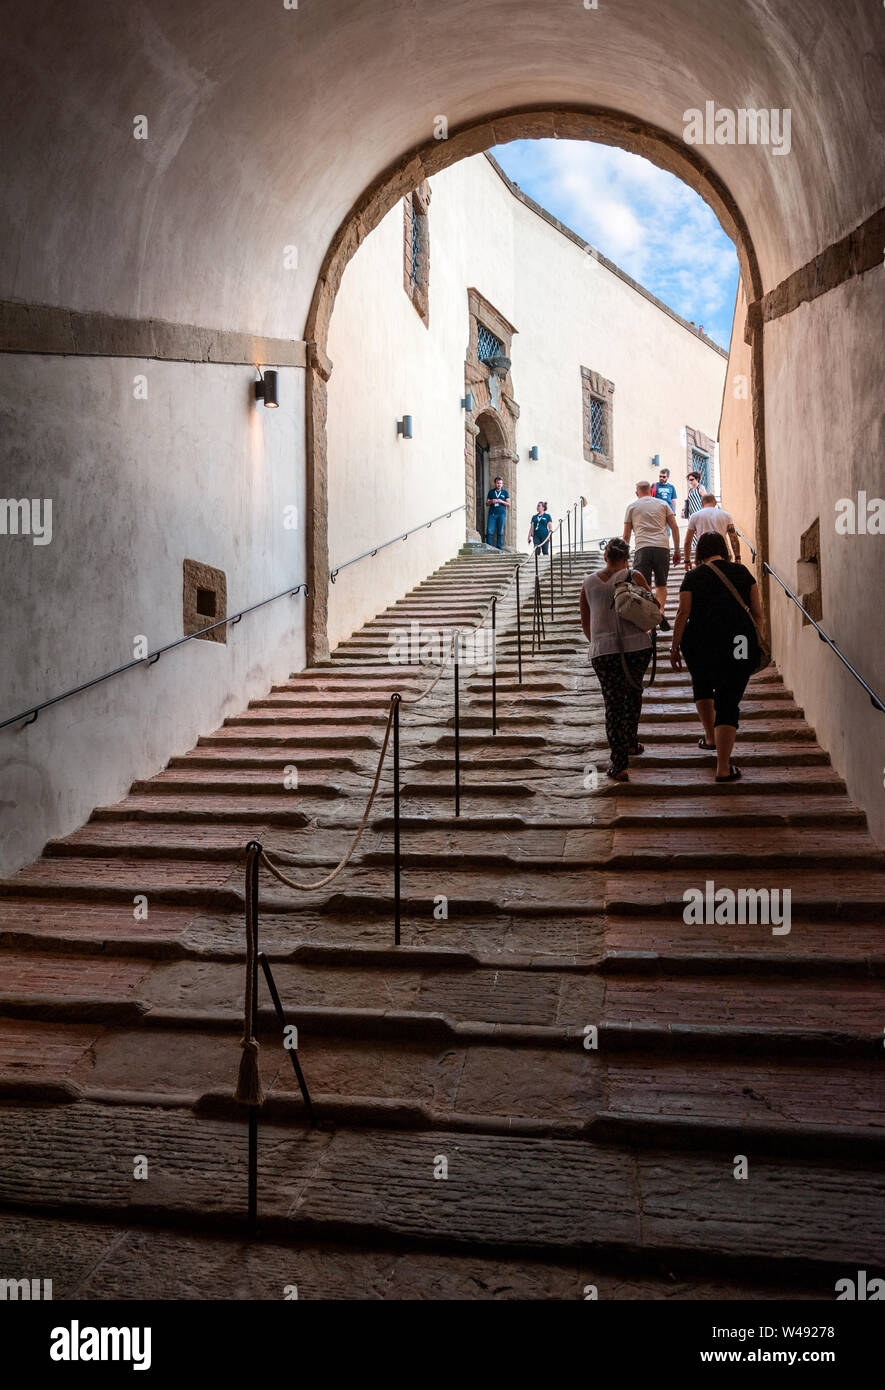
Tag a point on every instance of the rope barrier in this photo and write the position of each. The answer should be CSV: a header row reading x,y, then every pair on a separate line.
x,y
313,887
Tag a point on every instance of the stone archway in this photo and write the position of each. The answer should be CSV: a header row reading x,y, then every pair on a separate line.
x,y
597,124
491,426
494,410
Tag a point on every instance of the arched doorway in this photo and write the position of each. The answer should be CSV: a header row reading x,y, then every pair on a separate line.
x,y
493,456
592,123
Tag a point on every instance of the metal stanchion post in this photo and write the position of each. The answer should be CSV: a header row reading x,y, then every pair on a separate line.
x,y
396,867
252,890
494,665
561,580
550,548
518,631
457,726
569,524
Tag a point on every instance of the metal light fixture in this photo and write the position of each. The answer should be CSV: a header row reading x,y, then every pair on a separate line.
x,y
467,403
404,427
266,389
533,452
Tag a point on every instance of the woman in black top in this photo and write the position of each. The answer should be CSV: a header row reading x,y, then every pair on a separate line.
x,y
719,643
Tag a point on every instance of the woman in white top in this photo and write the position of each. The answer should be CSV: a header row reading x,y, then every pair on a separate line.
x,y
619,653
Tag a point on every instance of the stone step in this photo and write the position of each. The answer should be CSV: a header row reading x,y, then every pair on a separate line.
x,y
370,1184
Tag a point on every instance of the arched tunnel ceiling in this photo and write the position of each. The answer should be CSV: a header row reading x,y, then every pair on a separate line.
x,y
266,124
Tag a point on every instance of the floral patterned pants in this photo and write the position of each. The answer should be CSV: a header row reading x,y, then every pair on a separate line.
x,y
623,702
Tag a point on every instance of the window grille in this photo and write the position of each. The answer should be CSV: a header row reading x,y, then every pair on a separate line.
x,y
487,344
700,463
597,425
416,245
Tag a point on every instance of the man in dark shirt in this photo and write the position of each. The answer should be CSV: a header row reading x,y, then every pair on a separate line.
x,y
498,502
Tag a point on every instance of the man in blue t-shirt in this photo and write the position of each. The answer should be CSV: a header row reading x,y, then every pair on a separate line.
x,y
664,489
497,501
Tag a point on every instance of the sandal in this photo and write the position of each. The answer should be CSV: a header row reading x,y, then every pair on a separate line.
x,y
733,774
708,747
637,749
616,776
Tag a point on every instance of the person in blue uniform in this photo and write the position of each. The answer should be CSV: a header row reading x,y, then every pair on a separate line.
x,y
498,502
539,528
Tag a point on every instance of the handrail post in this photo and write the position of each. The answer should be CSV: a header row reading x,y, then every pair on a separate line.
x,y
397,699
457,725
550,547
568,517
561,580
519,629
582,530
252,891
494,665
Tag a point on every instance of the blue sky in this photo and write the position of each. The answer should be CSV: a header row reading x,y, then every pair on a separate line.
x,y
647,221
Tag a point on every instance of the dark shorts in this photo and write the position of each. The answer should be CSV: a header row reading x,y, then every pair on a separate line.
x,y
722,680
653,563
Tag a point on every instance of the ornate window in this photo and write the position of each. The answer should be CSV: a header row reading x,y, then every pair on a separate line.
x,y
416,250
597,395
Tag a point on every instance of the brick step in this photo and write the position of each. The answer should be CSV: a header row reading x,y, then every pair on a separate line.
x,y
230,756
212,781
806,1218
282,735
769,781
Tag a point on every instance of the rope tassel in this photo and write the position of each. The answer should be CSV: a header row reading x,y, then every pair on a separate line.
x,y
249,1090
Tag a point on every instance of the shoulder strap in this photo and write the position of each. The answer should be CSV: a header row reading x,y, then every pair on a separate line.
x,y
728,584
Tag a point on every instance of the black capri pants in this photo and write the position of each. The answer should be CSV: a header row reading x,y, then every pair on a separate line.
x,y
722,679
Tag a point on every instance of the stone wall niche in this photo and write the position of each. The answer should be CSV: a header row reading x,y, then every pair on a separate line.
x,y
204,599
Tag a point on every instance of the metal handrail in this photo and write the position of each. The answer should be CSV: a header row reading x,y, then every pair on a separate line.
x,y
403,536
874,698
30,715
750,546
824,637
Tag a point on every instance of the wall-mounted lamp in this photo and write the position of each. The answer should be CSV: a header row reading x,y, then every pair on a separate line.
x,y
467,402
266,389
404,427
533,452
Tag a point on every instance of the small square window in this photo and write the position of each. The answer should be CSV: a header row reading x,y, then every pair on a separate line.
x,y
204,599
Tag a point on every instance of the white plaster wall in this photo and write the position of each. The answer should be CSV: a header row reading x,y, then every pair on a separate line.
x,y
569,311
195,471
824,441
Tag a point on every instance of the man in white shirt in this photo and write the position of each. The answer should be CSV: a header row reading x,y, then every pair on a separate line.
x,y
650,518
711,517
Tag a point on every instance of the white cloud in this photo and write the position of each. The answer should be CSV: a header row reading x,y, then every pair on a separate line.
x,y
644,219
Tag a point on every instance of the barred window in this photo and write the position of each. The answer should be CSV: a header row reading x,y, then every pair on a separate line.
x,y
597,394
487,345
416,250
597,424
700,463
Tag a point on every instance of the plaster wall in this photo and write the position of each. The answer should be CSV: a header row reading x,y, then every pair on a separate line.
x,y
736,463
826,441
195,471
569,311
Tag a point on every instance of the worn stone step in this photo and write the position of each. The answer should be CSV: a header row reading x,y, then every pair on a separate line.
x,y
514,1194
91,1259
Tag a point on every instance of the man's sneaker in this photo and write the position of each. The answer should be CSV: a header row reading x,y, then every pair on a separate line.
x,y
665,626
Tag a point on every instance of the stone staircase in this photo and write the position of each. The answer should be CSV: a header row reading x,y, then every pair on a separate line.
x,y
473,1142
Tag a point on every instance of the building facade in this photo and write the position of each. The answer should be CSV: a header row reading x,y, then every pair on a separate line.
x,y
578,382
